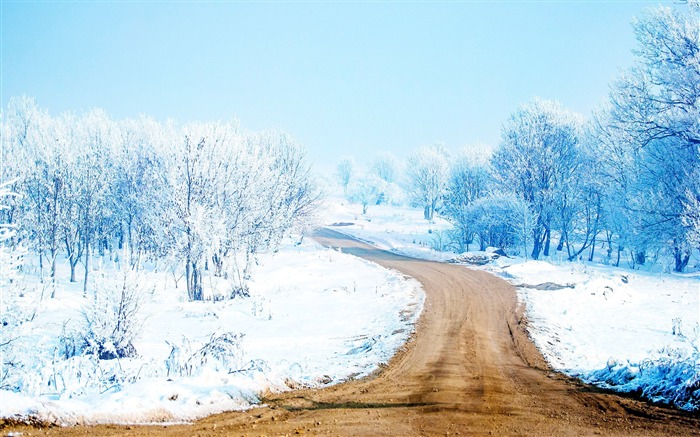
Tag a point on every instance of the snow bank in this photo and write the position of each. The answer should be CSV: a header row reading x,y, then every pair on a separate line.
x,y
619,329
315,317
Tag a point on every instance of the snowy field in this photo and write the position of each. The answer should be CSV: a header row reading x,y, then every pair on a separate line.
x,y
315,317
617,328
628,330
394,228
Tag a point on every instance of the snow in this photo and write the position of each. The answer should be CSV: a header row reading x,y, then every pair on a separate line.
x,y
399,229
315,317
627,330
624,330
609,314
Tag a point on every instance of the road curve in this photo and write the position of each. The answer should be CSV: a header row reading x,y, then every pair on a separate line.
x,y
469,370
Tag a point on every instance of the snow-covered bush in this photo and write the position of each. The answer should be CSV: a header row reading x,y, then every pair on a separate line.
x,y
113,319
671,377
499,220
223,352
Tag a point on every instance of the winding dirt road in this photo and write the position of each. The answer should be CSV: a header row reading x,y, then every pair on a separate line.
x,y
469,370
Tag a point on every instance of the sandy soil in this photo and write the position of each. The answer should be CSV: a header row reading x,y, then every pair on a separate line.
x,y
469,370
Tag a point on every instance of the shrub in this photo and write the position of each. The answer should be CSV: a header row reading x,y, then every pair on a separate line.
x,y
112,319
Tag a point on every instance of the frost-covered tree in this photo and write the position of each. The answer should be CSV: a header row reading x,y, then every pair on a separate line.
x,y
194,176
469,180
282,196
366,191
24,126
427,171
537,152
384,172
344,171
70,211
206,196
578,201
657,98
652,130
691,217
385,166
93,168
232,196
138,187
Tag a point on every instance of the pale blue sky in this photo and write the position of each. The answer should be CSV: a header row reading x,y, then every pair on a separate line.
x,y
342,78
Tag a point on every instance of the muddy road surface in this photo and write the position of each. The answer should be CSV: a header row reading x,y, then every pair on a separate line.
x,y
470,369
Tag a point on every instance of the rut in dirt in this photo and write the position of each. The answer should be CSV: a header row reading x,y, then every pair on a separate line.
x,y
470,369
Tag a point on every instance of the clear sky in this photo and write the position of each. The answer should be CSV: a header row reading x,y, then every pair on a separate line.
x,y
341,77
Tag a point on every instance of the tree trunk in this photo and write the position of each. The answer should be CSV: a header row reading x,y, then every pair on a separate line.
x,y
590,257
54,229
218,262
188,281
196,283
536,247
72,270
130,241
120,244
427,214
87,265
681,257
538,239
546,242
41,266
54,255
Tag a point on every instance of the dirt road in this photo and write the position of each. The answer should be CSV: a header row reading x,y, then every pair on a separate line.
x,y
470,370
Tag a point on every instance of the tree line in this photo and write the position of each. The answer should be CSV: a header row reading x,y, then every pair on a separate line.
x,y
205,197
626,180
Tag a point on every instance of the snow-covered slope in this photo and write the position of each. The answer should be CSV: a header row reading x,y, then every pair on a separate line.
x,y
315,317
